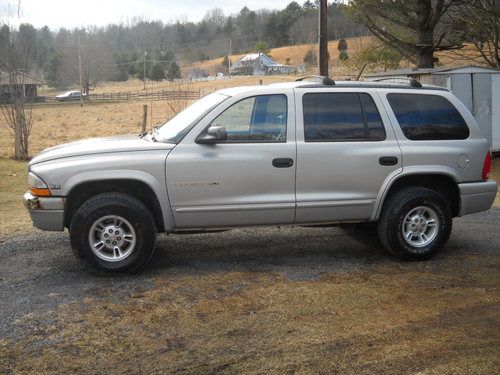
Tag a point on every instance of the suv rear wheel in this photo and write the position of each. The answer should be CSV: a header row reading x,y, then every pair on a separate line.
x,y
113,233
415,224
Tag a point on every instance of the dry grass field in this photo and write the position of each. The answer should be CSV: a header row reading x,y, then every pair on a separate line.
x,y
393,318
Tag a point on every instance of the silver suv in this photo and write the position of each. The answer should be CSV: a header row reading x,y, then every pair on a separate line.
x,y
405,157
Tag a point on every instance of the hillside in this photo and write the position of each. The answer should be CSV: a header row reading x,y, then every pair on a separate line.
x,y
295,54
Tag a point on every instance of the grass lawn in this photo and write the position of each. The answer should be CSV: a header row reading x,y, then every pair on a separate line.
x,y
13,216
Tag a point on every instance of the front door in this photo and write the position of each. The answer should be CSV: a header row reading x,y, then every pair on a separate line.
x,y
345,153
249,179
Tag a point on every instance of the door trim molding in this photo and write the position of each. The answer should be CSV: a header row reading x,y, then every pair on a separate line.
x,y
235,207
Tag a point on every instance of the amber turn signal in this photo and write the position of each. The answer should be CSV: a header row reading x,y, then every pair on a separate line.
x,y
40,192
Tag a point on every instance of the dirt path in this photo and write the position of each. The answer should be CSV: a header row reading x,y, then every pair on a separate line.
x,y
280,300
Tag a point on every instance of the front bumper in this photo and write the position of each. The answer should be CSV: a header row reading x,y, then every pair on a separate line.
x,y
46,213
476,196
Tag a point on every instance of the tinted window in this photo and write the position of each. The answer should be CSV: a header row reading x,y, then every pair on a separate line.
x,y
332,117
428,117
257,119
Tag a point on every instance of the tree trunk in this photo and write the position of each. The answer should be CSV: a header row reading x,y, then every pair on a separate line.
x,y
425,59
425,35
18,133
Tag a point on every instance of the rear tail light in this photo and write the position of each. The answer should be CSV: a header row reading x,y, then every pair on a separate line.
x,y
487,167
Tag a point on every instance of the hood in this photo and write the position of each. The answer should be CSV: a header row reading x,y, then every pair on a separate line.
x,y
99,146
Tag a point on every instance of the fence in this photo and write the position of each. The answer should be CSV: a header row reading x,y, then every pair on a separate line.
x,y
115,97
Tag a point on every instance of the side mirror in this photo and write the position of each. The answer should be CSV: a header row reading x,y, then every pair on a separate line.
x,y
213,135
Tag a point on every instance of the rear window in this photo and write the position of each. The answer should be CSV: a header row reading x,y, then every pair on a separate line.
x,y
333,117
428,117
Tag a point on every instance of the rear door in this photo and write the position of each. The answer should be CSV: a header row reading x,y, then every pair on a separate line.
x,y
346,150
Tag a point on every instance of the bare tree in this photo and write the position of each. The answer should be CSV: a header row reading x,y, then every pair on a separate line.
x,y
96,61
413,27
13,59
479,24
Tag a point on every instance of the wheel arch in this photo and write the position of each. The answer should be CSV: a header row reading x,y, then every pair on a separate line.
x,y
441,181
141,186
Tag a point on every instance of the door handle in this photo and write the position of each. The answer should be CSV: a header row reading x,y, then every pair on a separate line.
x,y
282,162
388,160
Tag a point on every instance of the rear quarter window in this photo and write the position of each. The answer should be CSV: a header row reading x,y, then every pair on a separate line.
x,y
428,117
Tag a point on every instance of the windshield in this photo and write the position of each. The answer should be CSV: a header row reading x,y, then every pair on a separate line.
x,y
175,129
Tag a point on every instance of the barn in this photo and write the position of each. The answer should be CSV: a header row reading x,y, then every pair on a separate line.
x,y
18,83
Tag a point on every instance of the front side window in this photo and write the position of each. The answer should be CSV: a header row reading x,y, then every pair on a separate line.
x,y
333,117
428,117
260,118
177,127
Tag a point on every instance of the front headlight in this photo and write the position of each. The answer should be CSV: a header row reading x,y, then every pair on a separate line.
x,y
37,186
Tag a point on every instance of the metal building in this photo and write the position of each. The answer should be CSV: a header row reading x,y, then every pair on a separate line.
x,y
477,87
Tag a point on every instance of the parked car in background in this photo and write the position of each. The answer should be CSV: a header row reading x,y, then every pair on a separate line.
x,y
71,96
404,157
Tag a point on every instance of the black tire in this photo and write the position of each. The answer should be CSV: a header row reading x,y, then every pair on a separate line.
x,y
108,205
396,209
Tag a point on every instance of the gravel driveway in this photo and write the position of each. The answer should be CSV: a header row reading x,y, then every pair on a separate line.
x,y
42,290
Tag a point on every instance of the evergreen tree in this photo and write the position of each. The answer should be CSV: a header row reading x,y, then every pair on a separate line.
x,y
174,72
158,72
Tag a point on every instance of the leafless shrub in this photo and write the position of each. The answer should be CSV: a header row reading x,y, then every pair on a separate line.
x,y
17,115
13,60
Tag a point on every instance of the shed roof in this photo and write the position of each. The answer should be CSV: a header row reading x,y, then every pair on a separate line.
x,y
19,79
468,69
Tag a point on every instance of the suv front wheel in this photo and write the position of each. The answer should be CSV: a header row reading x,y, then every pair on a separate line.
x,y
113,233
415,224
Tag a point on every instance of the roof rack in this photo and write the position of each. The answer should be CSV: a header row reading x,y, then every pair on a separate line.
x,y
324,80
410,81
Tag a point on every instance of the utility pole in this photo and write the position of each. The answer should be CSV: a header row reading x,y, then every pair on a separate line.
x,y
323,38
229,57
144,70
80,70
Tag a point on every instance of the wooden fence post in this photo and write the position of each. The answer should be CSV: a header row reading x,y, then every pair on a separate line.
x,y
144,117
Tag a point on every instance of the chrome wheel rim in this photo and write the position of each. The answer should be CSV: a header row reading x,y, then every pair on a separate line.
x,y
420,226
112,238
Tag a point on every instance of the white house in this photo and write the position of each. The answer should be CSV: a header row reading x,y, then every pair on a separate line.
x,y
259,64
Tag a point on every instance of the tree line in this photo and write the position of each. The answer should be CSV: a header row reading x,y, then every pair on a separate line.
x,y
119,51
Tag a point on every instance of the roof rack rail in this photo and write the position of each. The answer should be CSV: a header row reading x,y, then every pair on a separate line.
x,y
324,80
410,81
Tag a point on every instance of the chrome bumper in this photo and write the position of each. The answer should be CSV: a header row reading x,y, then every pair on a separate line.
x,y
46,213
476,196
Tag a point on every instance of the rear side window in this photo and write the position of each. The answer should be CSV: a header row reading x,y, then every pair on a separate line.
x,y
331,117
428,117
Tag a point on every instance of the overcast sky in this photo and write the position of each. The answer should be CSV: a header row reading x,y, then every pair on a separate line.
x,y
74,13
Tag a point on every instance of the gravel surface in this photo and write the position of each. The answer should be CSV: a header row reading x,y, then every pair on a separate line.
x,y
38,272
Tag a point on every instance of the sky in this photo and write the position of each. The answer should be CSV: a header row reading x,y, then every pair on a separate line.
x,y
75,13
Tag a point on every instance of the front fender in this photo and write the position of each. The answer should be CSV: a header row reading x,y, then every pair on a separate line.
x,y
63,175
